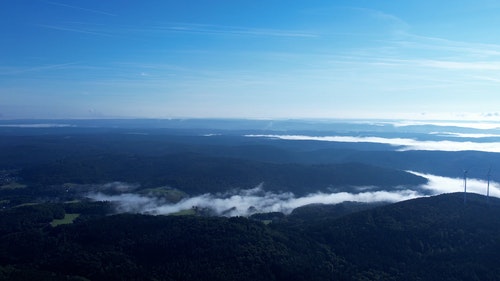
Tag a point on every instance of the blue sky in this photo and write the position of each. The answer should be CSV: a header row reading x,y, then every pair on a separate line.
x,y
250,59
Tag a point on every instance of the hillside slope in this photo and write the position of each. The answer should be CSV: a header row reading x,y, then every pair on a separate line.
x,y
435,238
198,174
432,238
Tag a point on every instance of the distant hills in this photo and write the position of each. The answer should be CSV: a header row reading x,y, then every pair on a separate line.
x,y
192,164
197,174
43,146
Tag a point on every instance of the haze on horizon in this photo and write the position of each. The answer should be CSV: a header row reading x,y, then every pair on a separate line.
x,y
250,59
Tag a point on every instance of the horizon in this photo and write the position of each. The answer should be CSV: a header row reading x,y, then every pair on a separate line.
x,y
396,122
484,125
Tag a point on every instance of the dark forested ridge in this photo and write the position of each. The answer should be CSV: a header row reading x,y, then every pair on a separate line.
x,y
194,164
41,147
196,174
434,238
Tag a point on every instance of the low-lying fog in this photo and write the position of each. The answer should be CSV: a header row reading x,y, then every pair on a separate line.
x,y
249,201
405,144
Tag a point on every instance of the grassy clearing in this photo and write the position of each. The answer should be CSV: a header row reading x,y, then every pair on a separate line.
x,y
26,204
68,218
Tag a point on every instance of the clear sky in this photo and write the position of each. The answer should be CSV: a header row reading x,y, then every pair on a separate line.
x,y
250,59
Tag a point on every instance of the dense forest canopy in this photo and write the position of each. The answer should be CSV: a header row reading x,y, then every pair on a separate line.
x,y
435,238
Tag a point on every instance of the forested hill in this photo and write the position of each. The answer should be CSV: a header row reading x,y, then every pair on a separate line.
x,y
433,238
197,174
143,247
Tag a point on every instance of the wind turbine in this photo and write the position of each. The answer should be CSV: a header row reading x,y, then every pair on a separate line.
x,y
488,188
465,186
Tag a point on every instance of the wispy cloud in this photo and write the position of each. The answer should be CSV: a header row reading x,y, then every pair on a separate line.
x,y
384,16
444,64
20,70
81,8
175,28
77,30
231,30
469,49
407,51
461,65
486,78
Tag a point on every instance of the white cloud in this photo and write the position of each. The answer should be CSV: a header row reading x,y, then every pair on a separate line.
x,y
471,125
81,8
129,202
403,144
231,30
439,185
460,65
463,135
246,202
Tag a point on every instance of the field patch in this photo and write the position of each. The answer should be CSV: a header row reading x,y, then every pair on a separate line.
x,y
187,212
68,219
12,185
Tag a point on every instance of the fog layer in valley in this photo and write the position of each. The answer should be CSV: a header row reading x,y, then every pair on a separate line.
x,y
249,201
402,144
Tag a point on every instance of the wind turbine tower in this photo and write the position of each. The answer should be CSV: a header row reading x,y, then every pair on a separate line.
x,y
488,187
465,186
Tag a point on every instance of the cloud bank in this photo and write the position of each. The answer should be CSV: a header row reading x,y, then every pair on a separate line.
x,y
458,124
464,135
438,185
249,201
245,202
403,144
